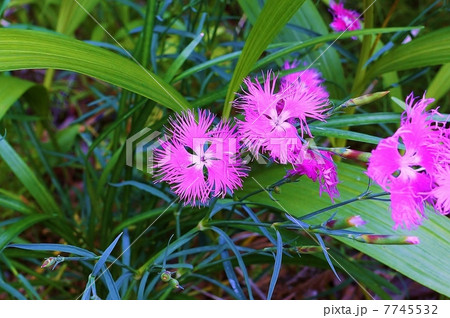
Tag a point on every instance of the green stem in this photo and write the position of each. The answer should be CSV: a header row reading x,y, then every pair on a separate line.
x,y
150,262
364,196
358,83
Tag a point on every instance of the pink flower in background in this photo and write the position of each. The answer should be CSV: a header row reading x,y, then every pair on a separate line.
x,y
272,119
199,160
344,19
419,174
318,166
412,34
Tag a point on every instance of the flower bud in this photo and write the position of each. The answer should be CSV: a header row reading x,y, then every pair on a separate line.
x,y
175,284
308,249
343,223
277,189
364,99
385,239
48,262
351,154
166,276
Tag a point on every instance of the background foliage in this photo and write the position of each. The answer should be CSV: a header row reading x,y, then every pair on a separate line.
x,y
73,90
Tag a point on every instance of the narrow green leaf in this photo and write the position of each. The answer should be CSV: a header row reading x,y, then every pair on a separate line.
x,y
105,256
8,201
4,6
359,120
12,231
182,57
241,262
325,253
440,85
344,134
145,187
141,217
274,15
276,266
39,192
430,49
54,247
24,49
11,290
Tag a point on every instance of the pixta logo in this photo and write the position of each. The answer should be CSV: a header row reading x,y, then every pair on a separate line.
x,y
139,149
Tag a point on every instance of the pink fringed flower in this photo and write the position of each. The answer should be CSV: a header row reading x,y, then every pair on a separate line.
x,y
344,19
318,166
199,160
310,77
419,174
441,191
272,119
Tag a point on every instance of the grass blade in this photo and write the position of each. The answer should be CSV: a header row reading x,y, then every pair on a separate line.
x,y
18,227
241,262
105,256
276,266
274,15
39,192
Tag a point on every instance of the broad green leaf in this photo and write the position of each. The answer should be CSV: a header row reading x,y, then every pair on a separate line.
x,y
39,192
430,49
422,263
18,227
274,15
12,88
24,49
440,85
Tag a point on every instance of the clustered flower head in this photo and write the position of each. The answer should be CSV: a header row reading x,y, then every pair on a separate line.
x,y
318,165
276,121
419,173
344,19
199,159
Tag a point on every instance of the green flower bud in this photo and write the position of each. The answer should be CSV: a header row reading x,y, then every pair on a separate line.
x,y
351,154
175,284
385,239
343,223
308,249
166,276
364,99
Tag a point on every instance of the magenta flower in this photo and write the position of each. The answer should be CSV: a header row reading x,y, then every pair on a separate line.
x,y
441,191
199,160
272,119
310,77
344,19
418,175
318,166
